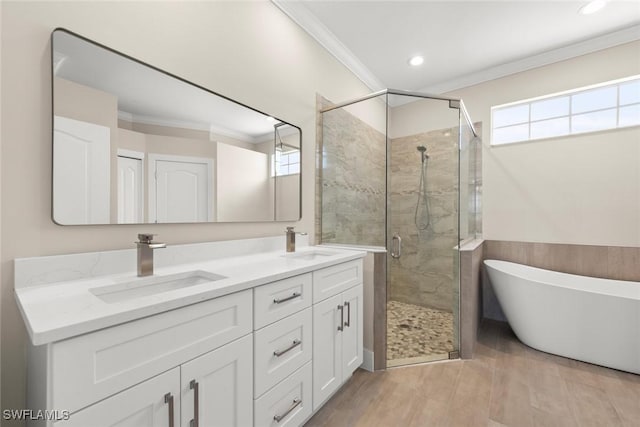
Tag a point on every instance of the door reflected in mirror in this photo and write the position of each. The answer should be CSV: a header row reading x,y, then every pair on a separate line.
x,y
134,144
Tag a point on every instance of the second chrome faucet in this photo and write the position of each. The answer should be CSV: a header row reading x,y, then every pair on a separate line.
x,y
146,246
291,239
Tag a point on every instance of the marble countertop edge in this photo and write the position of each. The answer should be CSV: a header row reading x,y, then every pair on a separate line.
x,y
62,310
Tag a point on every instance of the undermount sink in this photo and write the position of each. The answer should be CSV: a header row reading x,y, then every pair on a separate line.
x,y
145,286
309,255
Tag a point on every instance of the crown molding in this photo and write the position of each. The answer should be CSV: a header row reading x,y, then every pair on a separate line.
x,y
585,47
213,130
298,12
151,120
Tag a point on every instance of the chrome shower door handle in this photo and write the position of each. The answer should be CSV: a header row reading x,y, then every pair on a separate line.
x,y
396,246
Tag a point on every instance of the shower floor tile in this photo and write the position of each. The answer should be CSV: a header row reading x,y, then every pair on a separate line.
x,y
417,333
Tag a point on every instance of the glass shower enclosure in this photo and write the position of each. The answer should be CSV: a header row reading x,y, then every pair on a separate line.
x,y
400,170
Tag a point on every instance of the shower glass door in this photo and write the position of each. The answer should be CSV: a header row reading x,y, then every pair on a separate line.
x,y
423,201
402,171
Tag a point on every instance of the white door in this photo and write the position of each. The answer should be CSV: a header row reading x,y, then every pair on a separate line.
x,y
223,379
180,189
130,189
143,405
352,333
81,172
327,349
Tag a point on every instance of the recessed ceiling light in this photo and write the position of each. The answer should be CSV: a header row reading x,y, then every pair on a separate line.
x,y
592,7
414,61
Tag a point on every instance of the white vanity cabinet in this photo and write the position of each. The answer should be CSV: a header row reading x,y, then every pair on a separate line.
x,y
283,345
120,375
263,353
218,386
152,403
337,329
311,346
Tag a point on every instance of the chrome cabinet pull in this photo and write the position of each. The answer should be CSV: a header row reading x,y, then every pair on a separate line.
x,y
193,385
168,398
341,325
348,322
279,353
293,406
280,301
396,253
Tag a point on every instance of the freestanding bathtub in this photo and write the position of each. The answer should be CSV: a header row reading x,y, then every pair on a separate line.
x,y
583,318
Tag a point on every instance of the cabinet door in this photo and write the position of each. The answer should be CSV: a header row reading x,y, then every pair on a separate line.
x,y
143,405
327,349
223,382
352,333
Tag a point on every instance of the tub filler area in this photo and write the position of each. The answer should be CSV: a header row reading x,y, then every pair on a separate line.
x,y
585,318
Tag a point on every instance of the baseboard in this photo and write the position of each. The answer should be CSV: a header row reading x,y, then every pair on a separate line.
x,y
367,360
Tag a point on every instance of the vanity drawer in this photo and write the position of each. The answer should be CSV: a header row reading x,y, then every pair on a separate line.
x,y
277,300
332,280
282,401
91,367
280,349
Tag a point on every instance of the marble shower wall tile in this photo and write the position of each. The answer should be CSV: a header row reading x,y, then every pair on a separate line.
x,y
424,273
352,203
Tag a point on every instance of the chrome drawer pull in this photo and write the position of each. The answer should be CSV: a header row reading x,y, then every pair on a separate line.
x,y
293,406
348,322
341,325
295,295
279,353
193,385
168,398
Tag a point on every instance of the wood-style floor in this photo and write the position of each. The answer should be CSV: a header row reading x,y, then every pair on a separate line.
x,y
506,384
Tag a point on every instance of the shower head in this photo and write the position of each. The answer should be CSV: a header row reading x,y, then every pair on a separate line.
x,y
423,152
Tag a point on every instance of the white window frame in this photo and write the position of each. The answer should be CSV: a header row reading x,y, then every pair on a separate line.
x,y
274,164
571,115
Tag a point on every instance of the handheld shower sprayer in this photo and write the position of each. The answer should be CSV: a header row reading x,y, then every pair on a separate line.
x,y
422,215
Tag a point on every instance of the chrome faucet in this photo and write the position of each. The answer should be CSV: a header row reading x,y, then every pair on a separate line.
x,y
146,245
291,239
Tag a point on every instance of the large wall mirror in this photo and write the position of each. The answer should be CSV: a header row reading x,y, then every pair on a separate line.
x,y
133,144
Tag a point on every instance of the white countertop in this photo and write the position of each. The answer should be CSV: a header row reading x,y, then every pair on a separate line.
x,y
60,310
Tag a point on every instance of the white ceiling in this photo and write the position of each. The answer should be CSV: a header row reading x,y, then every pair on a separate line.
x,y
463,42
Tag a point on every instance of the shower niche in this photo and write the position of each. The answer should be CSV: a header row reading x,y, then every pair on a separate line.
x,y
401,170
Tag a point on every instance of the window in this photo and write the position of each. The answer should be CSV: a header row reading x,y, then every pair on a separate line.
x,y
610,105
285,163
